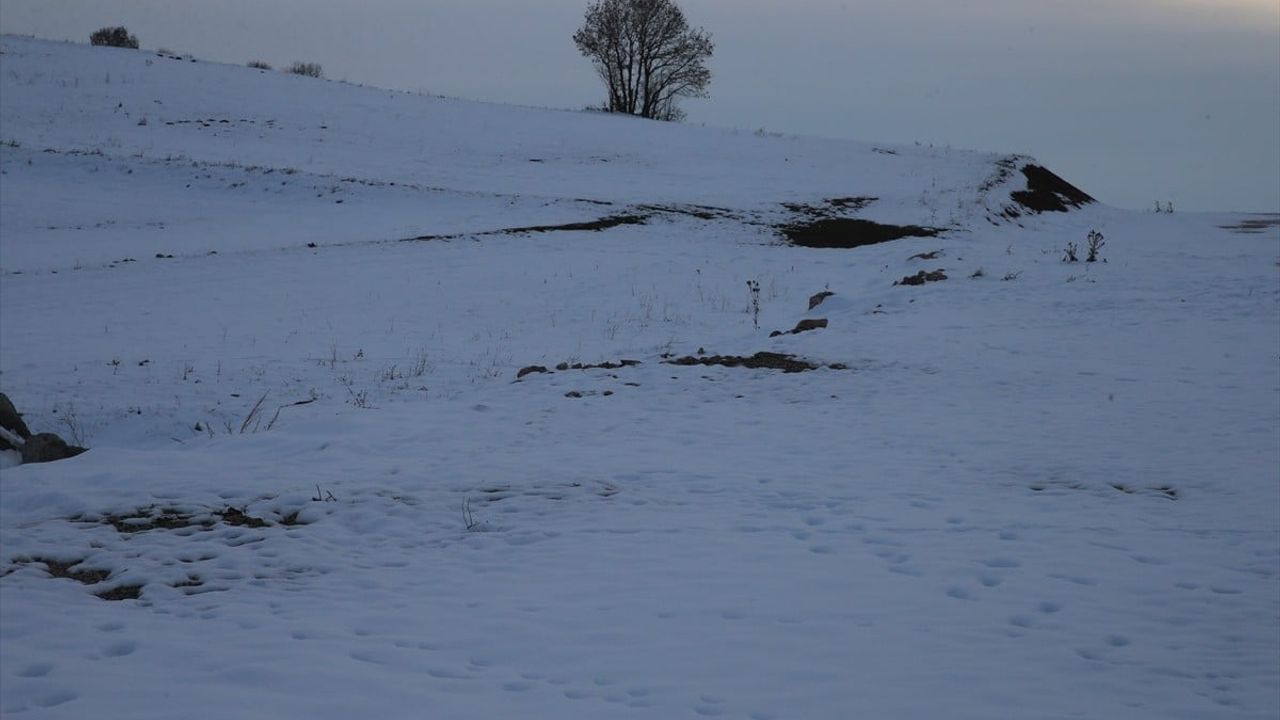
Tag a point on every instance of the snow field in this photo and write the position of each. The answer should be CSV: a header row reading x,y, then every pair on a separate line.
x,y
1044,497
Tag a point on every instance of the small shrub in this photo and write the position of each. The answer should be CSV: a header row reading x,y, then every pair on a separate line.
x,y
1070,254
114,37
754,287
1096,242
259,65
307,69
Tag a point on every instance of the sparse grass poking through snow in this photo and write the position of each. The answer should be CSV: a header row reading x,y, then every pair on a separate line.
x,y
306,69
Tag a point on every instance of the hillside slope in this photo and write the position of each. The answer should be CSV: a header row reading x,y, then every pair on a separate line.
x,y
320,484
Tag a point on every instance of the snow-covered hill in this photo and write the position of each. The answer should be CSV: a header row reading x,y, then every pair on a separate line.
x,y
288,316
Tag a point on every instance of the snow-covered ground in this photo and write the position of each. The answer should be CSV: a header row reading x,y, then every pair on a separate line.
x,y
1045,490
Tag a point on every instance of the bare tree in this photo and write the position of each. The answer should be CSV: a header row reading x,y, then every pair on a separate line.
x,y
646,54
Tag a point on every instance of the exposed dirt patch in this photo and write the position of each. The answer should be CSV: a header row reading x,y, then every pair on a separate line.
x,y
588,393
923,277
65,569
121,592
1167,492
761,360
598,366
1047,192
237,517
849,233
291,520
803,326
149,518
604,223
154,518
817,299
828,208
561,367
1254,225
558,491
701,212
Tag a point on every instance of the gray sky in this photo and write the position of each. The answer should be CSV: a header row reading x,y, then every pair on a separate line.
x,y
1133,100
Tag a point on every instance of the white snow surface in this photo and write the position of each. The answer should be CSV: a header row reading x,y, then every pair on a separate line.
x,y
1050,490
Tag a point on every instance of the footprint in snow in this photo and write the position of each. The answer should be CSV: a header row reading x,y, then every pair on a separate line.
x,y
516,686
35,670
55,698
120,649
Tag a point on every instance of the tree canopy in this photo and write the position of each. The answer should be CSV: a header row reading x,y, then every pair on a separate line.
x,y
646,54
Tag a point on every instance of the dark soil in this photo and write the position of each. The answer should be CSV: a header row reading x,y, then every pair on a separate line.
x,y
291,520
1253,226
825,210
121,592
1167,492
603,223
531,369
816,300
233,516
761,360
923,277
849,233
86,576
701,212
803,326
150,519
851,203
600,366
1047,192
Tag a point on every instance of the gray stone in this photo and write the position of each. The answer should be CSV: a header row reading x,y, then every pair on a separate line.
x,y
47,447
816,300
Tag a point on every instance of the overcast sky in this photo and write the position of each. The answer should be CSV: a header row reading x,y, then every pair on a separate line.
x,y
1133,100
